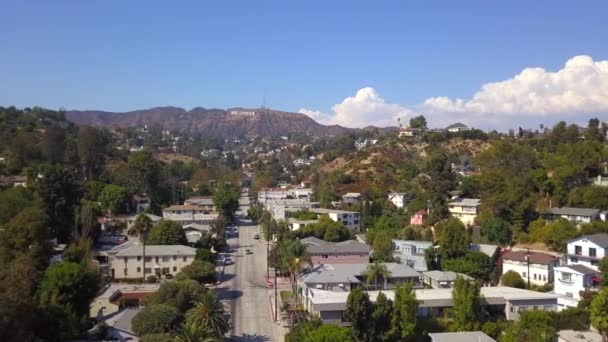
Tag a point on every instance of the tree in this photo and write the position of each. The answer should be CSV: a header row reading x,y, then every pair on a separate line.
x,y
180,294
599,312
358,311
454,239
143,173
328,333
512,279
474,264
403,320
192,332
26,234
603,268
467,304
71,286
226,199
209,313
167,232
204,254
532,326
200,271
383,247
381,318
418,122
375,271
155,319
140,227
91,150
113,198
496,230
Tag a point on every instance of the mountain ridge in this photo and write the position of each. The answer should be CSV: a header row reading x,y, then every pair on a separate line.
x,y
235,121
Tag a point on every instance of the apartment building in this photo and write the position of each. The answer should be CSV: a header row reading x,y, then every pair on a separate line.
x,y
188,213
350,219
533,266
345,252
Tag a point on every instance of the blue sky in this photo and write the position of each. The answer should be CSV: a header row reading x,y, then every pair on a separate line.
x,y
313,55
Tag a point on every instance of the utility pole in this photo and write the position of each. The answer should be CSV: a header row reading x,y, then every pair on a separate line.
x,y
528,261
276,303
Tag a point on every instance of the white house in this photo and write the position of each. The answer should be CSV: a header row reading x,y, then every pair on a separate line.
x,y
294,224
361,144
351,198
411,253
350,219
409,132
465,209
399,199
194,231
570,280
185,214
457,127
587,250
574,215
537,268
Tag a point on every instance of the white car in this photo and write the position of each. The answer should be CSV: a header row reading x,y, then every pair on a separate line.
x,y
256,235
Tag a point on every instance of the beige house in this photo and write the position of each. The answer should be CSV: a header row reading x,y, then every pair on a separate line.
x,y
126,263
465,209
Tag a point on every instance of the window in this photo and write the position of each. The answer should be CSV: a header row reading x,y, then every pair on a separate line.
x,y
174,257
592,252
324,256
185,259
148,259
573,259
569,294
166,259
544,277
147,270
174,269
595,262
165,270
356,222
523,274
534,276
125,259
156,259
139,258
566,276
578,250
139,270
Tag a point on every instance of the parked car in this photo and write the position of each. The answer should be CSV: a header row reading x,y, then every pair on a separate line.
x,y
256,235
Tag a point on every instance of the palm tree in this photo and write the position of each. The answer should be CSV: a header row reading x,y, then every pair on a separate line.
x,y
374,271
209,313
140,227
297,255
191,332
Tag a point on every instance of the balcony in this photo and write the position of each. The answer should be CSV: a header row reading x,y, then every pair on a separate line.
x,y
566,281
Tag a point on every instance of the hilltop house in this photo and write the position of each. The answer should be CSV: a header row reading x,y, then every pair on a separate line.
x,y
411,253
574,215
409,132
351,198
418,218
465,209
457,127
399,199
345,252
587,250
535,267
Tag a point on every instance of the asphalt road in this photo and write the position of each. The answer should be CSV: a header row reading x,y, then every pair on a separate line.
x,y
245,289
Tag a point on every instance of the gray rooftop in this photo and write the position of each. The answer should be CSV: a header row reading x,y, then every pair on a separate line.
x,y
568,211
466,202
598,239
489,250
445,275
157,250
579,336
457,125
462,336
347,273
581,269
318,246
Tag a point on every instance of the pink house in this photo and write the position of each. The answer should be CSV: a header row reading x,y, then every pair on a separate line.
x,y
345,252
418,218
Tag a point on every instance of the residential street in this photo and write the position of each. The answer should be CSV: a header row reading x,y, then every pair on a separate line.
x,y
245,288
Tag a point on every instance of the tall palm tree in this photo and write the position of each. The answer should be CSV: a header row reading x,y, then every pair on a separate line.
x,y
191,332
374,271
140,227
209,313
297,256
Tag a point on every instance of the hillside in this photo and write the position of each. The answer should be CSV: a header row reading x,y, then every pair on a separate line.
x,y
211,122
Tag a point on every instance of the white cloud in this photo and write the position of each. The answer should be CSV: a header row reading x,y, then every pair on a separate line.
x,y
580,87
364,109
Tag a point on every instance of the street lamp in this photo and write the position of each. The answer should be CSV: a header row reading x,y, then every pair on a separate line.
x,y
528,262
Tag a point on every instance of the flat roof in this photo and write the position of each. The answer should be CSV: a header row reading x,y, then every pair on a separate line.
x,y
331,211
157,250
569,211
345,273
467,202
579,336
445,275
461,336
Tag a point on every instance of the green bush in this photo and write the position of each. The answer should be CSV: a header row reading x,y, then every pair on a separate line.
x,y
512,279
156,319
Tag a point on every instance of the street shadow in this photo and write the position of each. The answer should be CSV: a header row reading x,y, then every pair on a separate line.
x,y
228,276
228,294
250,338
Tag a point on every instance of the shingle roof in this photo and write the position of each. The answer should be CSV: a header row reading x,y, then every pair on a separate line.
x,y
574,211
349,246
347,273
535,257
457,125
581,269
598,239
445,275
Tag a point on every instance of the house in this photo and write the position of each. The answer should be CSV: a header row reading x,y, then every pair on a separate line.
x,y
131,220
465,209
535,267
12,181
187,213
294,224
461,336
409,132
399,199
350,219
490,250
271,193
457,127
411,253
418,218
361,144
574,215
345,252
329,306
351,198
441,279
141,203
126,262
587,250
578,336
570,280
599,181
345,277
194,231
204,202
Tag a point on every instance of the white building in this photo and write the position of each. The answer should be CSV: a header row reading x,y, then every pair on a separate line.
x,y
186,214
350,219
411,253
351,198
465,209
533,266
587,250
399,199
361,144
294,224
574,215
457,127
570,280
194,231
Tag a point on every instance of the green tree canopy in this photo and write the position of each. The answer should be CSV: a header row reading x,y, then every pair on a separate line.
x,y
381,318
383,246
467,304
209,313
405,308
418,121
496,230
454,239
533,326
226,199
201,271
512,279
358,312
113,198
156,319
599,312
167,232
